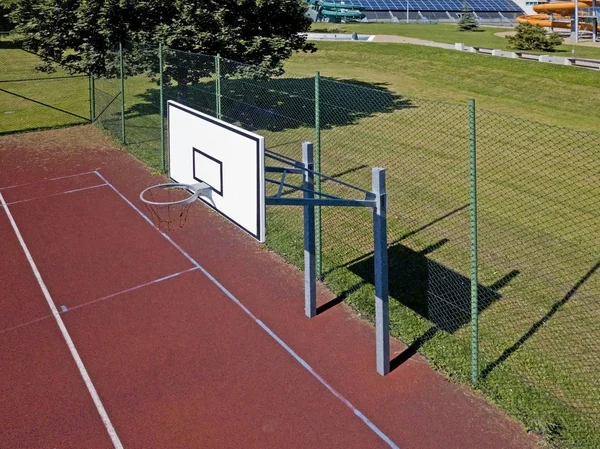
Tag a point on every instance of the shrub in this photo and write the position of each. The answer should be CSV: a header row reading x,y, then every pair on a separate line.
x,y
334,29
533,37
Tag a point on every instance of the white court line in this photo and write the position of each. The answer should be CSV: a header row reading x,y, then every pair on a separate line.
x,y
28,323
272,334
131,289
112,295
46,180
55,194
86,377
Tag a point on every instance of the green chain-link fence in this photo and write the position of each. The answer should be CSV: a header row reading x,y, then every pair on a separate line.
x,y
530,346
539,218
30,99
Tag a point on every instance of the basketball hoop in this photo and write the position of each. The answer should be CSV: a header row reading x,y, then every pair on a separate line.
x,y
169,203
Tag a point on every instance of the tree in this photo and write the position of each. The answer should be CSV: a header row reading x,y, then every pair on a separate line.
x,y
533,37
82,35
467,21
6,7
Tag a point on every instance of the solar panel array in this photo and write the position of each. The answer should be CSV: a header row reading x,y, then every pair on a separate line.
x,y
436,5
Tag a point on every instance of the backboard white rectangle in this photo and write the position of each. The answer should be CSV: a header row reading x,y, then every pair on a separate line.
x,y
209,170
228,158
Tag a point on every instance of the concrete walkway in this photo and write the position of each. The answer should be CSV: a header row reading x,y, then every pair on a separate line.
x,y
411,40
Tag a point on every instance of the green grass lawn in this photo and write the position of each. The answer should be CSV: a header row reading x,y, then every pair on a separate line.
x,y
448,34
557,95
32,100
538,207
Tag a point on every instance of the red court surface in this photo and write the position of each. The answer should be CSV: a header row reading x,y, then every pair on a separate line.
x,y
197,339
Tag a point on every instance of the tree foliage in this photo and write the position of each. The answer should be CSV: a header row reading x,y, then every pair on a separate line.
x,y
467,21
6,7
533,37
83,35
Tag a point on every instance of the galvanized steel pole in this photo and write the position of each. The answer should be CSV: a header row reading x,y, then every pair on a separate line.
x,y
382,314
310,282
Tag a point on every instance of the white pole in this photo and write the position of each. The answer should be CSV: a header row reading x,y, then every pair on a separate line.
x,y
407,10
594,20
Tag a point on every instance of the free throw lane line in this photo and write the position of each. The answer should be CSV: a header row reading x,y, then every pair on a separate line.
x,y
104,298
268,330
66,192
82,370
46,180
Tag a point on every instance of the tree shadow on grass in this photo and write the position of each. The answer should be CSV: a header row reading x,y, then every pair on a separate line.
x,y
280,104
9,44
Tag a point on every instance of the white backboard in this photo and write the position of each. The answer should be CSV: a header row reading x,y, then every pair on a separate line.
x,y
229,159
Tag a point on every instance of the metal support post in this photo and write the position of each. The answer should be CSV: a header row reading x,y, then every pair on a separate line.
x,y
576,22
310,282
473,231
92,99
319,250
218,86
162,107
122,75
595,12
382,318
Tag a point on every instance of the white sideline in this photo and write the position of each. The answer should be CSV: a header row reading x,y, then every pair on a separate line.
x,y
272,334
82,370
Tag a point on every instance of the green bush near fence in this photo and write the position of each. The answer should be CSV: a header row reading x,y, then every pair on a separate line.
x,y
538,225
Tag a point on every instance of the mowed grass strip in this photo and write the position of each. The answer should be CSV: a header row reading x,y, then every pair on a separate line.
x,y
30,99
557,95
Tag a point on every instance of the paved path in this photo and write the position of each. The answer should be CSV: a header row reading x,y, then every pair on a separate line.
x,y
411,40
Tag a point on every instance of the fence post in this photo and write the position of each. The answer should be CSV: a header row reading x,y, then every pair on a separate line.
x,y
473,232
162,107
92,99
318,227
218,85
122,74
382,314
310,282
